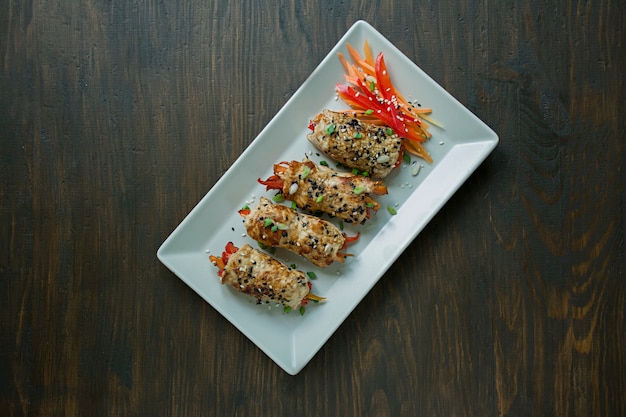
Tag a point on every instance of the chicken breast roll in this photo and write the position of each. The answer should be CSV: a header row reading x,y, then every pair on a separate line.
x,y
276,225
317,188
257,274
356,144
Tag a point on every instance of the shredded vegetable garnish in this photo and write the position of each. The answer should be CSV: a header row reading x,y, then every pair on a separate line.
x,y
374,99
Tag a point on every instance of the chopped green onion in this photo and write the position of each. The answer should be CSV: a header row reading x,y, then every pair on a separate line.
x,y
246,207
369,111
392,210
406,158
311,275
319,198
278,198
274,228
365,174
287,309
389,131
282,226
324,163
302,310
305,172
330,128
358,135
372,86
358,190
268,222
293,266
293,205
262,245
370,205
355,171
341,225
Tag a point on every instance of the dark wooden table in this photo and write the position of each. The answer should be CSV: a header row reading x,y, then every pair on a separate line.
x,y
117,117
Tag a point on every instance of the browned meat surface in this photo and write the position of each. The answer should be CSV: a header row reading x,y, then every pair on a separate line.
x,y
356,144
255,273
276,225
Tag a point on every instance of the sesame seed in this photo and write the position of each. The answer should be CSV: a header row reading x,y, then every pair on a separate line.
x,y
415,169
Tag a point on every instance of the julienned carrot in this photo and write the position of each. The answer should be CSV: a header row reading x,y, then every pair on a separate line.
x,y
372,95
367,67
417,149
369,58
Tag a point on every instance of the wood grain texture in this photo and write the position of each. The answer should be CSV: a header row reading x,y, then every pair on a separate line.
x,y
117,117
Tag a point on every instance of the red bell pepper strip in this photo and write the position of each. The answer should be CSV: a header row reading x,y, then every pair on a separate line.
x,y
229,250
387,92
349,239
272,183
362,101
220,262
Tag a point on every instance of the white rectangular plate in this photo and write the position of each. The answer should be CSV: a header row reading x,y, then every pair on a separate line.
x,y
291,340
